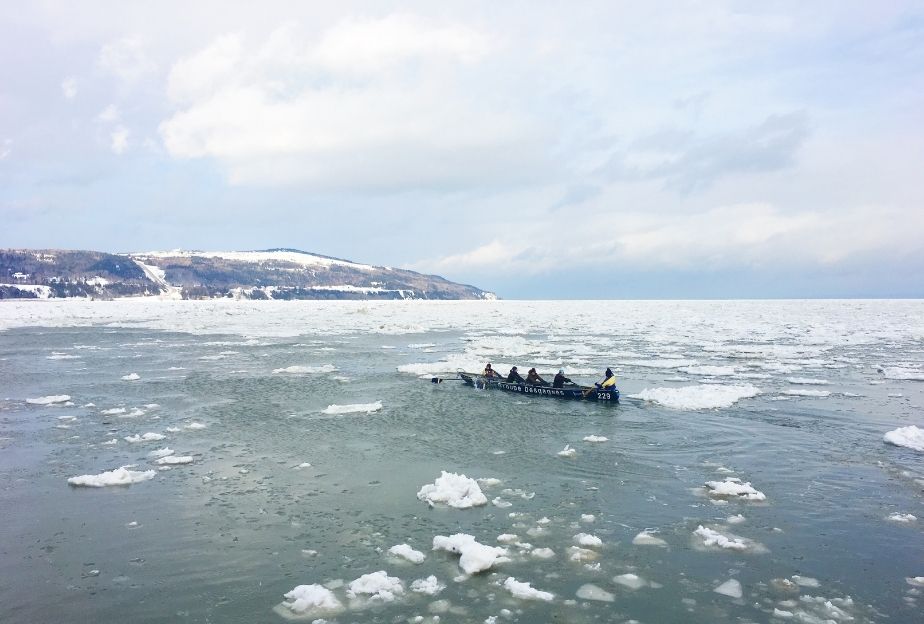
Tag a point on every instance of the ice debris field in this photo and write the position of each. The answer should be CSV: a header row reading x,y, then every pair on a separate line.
x,y
272,461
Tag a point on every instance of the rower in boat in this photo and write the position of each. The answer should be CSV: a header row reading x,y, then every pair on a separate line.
x,y
560,379
609,380
513,376
533,378
489,372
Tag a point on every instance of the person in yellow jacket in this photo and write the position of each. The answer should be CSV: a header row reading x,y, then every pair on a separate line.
x,y
609,380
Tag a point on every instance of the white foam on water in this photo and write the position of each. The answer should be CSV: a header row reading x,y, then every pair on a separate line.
x,y
525,591
732,487
910,437
454,490
147,437
429,586
406,552
807,393
355,408
306,370
119,476
704,396
50,399
807,381
130,377
647,539
589,591
730,588
595,438
62,356
474,557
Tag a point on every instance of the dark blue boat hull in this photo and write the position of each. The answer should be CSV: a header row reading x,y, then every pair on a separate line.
x,y
578,393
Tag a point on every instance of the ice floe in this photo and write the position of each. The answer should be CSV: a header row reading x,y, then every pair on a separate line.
x,y
807,381
586,539
311,600
902,518
703,396
807,393
630,581
647,539
158,453
902,373
376,586
115,411
542,553
713,538
406,552
715,371
595,438
567,451
306,370
525,591
909,437
732,487
730,588
429,586
454,490
175,460
50,400
367,408
474,556
131,377
119,476
146,437
589,591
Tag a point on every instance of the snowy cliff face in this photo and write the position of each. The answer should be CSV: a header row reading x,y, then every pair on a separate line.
x,y
269,274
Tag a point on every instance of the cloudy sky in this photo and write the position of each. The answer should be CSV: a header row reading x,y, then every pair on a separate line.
x,y
538,149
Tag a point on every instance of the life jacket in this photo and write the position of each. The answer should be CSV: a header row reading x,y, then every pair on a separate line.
x,y
609,383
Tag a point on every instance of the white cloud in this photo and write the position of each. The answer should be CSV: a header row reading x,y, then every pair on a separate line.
x,y
69,88
109,114
6,148
127,59
291,111
119,140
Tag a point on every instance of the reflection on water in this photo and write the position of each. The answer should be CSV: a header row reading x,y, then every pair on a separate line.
x,y
282,494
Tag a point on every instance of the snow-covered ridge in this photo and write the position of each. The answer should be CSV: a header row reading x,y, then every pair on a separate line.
x,y
274,255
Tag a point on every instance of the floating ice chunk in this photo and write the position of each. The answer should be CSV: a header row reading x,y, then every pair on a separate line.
x,y
730,588
147,437
131,377
902,518
111,442
805,581
195,425
525,591
714,538
807,393
306,370
368,408
715,371
580,555
489,481
475,557
910,437
301,465
119,476
632,581
376,586
311,600
175,460
172,430
595,438
647,539
782,614
115,411
901,373
567,451
704,396
405,551
585,539
661,363
736,519
733,487
50,400
454,490
501,503
588,517
430,586
592,592
161,453
543,553
808,381
915,581
508,538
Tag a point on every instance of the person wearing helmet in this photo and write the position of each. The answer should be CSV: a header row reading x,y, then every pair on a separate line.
x,y
513,376
560,379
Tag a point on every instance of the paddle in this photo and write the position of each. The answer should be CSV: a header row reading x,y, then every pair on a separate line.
x,y
437,380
